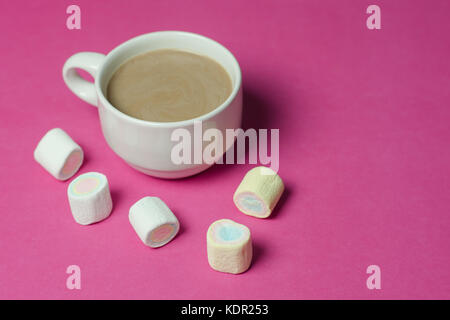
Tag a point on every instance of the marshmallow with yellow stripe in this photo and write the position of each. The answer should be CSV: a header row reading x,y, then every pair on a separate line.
x,y
259,192
89,198
59,154
229,246
153,221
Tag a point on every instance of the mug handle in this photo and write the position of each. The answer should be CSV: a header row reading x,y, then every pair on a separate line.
x,y
90,62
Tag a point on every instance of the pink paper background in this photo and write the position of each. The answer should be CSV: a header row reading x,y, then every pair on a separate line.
x,y
364,121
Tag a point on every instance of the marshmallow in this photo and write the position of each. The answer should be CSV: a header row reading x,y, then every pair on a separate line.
x,y
59,154
229,246
259,192
89,198
153,221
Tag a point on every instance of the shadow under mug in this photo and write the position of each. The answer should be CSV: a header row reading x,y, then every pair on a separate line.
x,y
146,145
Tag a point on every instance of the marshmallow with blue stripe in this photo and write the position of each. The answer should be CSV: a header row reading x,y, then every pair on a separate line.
x,y
229,246
259,192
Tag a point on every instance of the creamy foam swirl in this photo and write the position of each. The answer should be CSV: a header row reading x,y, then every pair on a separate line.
x,y
168,85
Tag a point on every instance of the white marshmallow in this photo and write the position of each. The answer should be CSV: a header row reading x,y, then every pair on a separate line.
x,y
89,198
153,221
259,192
229,246
59,154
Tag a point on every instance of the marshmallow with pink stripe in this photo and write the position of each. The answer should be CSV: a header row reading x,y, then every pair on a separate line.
x,y
153,221
59,154
89,198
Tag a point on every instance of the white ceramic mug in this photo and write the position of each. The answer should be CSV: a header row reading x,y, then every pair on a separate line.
x,y
146,145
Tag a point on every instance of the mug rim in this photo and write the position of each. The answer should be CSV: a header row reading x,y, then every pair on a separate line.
x,y
206,116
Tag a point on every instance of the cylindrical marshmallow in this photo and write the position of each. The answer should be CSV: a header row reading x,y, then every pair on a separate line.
x,y
259,192
89,198
229,246
59,154
153,221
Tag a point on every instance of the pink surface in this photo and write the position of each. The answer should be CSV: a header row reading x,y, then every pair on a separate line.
x,y
364,151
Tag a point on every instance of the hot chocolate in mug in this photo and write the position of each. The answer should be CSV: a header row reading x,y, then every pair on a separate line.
x,y
146,145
